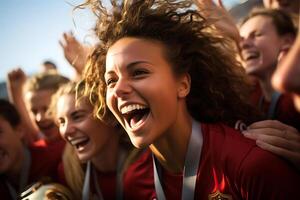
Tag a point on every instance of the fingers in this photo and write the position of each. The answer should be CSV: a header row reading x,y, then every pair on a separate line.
x,y
285,133
220,3
277,141
274,124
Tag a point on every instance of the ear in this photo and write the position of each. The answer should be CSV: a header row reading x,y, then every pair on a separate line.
x,y
184,85
287,40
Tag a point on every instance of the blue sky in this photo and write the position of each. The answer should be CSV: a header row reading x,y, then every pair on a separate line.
x,y
31,29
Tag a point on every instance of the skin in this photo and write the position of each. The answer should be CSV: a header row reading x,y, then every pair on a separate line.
x,y
37,103
15,82
259,36
77,123
286,76
137,73
11,150
261,47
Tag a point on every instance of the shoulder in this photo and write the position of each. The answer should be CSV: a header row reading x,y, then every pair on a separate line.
x,y
259,173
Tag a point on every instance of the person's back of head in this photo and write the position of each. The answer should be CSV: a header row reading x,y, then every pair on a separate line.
x,y
48,65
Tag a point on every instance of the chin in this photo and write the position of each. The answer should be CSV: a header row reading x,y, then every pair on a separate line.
x,y
139,143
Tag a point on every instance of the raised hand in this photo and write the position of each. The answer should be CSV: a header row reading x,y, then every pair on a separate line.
x,y
276,137
15,81
75,52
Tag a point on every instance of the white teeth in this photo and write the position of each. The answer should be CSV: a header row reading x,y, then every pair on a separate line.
x,y
250,55
76,141
132,107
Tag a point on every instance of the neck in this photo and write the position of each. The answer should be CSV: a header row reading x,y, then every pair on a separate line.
x,y
265,83
267,89
106,161
171,149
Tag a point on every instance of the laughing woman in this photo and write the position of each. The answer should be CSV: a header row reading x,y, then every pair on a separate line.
x,y
91,141
167,79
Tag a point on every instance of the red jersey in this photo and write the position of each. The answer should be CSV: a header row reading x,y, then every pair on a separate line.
x,y
231,167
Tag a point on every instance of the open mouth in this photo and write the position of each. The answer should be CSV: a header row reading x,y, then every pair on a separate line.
x,y
79,143
135,114
250,56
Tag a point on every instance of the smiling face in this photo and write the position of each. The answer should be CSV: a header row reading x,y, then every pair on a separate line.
x,y
77,125
260,45
37,103
11,148
142,91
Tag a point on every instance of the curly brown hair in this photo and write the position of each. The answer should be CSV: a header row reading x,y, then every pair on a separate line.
x,y
219,90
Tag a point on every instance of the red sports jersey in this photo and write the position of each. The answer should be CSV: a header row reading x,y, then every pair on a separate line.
x,y
231,167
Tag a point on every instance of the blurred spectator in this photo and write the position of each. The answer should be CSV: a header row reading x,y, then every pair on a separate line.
x,y
48,66
20,165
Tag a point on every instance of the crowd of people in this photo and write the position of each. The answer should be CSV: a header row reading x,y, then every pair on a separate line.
x,y
175,101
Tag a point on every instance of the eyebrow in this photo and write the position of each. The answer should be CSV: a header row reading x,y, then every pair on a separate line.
x,y
131,65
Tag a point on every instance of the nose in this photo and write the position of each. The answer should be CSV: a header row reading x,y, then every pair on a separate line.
x,y
245,43
67,129
122,88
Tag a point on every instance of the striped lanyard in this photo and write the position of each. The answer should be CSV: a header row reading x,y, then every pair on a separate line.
x,y
190,166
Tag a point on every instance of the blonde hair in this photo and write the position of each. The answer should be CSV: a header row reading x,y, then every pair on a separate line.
x,y
45,81
73,171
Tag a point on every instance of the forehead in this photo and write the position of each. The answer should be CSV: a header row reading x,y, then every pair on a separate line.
x,y
259,22
134,49
38,98
67,104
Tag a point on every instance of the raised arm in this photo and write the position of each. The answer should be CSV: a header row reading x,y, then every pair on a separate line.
x,y
75,52
15,82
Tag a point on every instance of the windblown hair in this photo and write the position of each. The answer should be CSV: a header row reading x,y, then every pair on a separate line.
x,y
219,90
282,21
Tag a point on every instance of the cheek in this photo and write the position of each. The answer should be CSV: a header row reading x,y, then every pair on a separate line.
x,y
297,102
111,103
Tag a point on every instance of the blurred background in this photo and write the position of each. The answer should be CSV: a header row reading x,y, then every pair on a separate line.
x,y
31,31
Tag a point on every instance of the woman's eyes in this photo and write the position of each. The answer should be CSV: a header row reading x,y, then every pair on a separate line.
x,y
60,122
109,81
139,72
78,117
134,73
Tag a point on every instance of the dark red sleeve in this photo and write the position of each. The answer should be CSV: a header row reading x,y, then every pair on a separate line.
x,y
263,175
